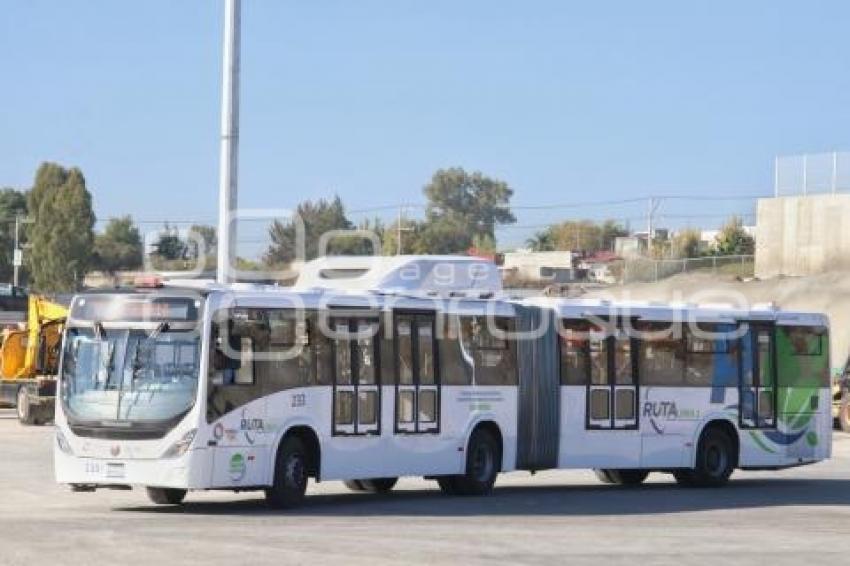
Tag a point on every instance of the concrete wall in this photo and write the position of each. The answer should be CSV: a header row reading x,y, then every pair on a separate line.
x,y
528,265
802,235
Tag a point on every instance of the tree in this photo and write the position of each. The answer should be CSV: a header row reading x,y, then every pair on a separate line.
x,y
542,241
206,236
317,218
578,235
733,239
444,235
472,203
202,237
686,243
119,247
62,232
169,246
12,203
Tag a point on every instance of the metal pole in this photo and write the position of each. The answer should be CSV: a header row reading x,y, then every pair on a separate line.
x,y
398,227
834,171
228,159
776,176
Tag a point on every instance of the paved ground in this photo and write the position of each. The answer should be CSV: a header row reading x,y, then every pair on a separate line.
x,y
797,517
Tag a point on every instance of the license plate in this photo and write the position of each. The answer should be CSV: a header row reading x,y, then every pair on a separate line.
x,y
115,471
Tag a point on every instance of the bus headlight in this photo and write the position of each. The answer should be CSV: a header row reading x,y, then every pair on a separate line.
x,y
181,446
63,444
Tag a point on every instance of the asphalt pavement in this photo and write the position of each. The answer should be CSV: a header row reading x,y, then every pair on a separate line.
x,y
796,516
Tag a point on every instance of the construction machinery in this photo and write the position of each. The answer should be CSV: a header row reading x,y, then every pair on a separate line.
x,y
29,361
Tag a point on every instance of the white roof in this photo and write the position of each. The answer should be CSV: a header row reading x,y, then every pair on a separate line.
x,y
670,312
434,275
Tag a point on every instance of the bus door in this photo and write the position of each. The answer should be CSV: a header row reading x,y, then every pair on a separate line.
x,y
356,391
757,387
417,399
613,387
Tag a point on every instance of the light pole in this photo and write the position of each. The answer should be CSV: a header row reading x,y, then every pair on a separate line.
x,y
229,156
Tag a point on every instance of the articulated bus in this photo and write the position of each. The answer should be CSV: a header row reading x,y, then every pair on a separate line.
x,y
365,372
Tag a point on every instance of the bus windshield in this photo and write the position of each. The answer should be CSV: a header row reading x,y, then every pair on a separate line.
x,y
129,375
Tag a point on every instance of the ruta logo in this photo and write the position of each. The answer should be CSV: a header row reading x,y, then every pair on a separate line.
x,y
660,409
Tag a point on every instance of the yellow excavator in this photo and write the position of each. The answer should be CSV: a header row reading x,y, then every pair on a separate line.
x,y
29,361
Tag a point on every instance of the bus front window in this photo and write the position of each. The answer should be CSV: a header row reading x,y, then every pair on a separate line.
x,y
131,375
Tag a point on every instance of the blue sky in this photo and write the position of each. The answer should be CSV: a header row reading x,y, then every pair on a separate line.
x,y
567,101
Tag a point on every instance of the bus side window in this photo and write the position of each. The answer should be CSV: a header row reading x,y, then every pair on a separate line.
x,y
493,353
455,368
237,335
711,357
575,363
662,356
288,361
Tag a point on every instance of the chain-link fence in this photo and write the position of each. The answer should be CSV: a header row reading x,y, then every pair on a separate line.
x,y
812,173
642,270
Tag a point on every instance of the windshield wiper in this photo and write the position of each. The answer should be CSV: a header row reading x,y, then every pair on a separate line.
x,y
137,355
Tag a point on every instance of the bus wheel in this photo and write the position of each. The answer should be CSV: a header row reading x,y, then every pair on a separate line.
x,y
166,495
378,485
354,485
290,475
483,463
25,412
715,461
622,477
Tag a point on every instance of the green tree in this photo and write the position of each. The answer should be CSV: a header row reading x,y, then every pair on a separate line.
x,y
119,247
733,239
443,235
411,232
686,243
317,218
470,202
12,203
578,235
62,232
169,246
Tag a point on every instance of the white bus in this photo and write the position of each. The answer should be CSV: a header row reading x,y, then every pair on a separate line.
x,y
414,366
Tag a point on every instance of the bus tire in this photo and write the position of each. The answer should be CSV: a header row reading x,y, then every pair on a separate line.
x,y
354,485
378,485
715,461
290,475
622,477
483,464
24,408
166,495
447,485
844,413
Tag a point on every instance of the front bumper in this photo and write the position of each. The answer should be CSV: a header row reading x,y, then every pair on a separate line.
x,y
187,472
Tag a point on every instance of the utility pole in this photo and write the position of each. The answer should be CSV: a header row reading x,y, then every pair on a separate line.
x,y
400,229
229,156
653,207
